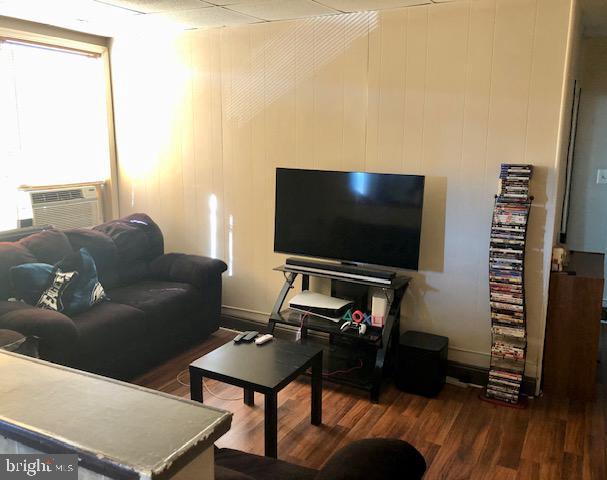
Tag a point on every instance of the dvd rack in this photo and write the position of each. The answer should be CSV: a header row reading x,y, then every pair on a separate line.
x,y
507,284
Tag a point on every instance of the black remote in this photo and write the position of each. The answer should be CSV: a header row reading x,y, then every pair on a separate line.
x,y
238,338
249,337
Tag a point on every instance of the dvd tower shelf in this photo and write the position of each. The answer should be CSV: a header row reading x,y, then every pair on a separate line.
x,y
507,284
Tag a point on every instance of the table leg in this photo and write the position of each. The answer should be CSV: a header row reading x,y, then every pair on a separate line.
x,y
271,425
316,403
249,397
195,385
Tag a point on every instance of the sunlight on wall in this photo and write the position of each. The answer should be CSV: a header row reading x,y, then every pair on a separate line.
x,y
155,101
253,93
231,246
213,225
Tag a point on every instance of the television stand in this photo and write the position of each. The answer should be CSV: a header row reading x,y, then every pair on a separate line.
x,y
360,361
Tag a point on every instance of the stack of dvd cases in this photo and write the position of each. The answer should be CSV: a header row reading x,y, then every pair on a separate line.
x,y
506,283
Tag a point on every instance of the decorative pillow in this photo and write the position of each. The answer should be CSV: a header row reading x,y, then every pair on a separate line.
x,y
52,297
30,280
86,290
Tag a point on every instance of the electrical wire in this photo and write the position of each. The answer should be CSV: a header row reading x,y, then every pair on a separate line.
x,y
335,372
206,387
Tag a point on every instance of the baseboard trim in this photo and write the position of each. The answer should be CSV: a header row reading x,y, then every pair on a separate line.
x,y
470,374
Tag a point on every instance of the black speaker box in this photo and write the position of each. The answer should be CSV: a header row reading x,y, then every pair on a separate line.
x,y
421,363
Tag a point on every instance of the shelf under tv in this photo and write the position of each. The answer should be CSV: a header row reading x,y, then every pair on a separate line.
x,y
320,324
341,366
345,349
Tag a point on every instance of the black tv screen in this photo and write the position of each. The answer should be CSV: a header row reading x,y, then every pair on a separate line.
x,y
371,218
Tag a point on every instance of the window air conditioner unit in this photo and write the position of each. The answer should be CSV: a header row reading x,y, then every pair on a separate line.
x,y
67,207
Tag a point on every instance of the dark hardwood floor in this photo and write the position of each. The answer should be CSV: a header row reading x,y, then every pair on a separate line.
x,y
460,436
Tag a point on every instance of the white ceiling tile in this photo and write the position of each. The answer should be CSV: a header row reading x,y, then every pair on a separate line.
x,y
82,15
154,6
368,5
282,9
204,17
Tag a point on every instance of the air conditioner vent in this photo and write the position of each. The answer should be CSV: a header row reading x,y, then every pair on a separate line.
x,y
56,196
67,208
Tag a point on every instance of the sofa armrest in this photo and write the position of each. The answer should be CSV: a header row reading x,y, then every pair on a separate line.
x,y
56,332
193,269
375,458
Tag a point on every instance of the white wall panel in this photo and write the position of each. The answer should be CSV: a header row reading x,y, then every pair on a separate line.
x,y
448,90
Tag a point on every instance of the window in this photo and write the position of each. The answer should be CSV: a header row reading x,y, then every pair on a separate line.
x,y
53,120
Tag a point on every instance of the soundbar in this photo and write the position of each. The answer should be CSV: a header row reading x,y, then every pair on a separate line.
x,y
383,277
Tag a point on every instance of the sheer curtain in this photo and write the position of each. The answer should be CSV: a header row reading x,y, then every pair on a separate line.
x,y
53,120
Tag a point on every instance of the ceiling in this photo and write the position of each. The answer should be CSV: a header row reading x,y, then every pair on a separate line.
x,y
111,17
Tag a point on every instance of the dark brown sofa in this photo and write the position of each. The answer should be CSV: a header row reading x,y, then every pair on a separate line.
x,y
159,303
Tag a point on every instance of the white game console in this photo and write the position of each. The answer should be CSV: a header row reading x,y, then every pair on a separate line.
x,y
321,305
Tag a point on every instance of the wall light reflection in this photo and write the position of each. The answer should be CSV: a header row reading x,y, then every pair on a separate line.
x,y
213,224
231,246
324,39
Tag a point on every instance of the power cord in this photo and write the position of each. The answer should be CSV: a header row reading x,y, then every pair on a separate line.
x,y
206,387
336,372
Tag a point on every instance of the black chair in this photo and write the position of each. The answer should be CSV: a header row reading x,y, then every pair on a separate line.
x,y
368,459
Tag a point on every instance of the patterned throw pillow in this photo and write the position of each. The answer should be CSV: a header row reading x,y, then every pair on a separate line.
x,y
86,290
51,298
43,285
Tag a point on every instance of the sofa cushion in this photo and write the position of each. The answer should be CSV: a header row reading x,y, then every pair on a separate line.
x,y
57,332
261,468
108,324
138,240
165,301
11,254
103,250
48,246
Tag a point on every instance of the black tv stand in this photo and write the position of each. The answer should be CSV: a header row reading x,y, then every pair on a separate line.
x,y
357,360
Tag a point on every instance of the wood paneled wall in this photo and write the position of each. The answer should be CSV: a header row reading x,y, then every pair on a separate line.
x,y
448,90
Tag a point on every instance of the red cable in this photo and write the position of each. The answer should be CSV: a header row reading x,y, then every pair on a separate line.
x,y
360,365
328,374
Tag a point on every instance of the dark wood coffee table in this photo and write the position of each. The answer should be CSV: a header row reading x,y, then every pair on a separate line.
x,y
265,369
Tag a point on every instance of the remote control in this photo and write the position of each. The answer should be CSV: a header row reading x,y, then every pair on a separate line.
x,y
264,339
238,338
249,337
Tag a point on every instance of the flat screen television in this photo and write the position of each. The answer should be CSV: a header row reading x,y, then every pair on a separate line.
x,y
358,217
